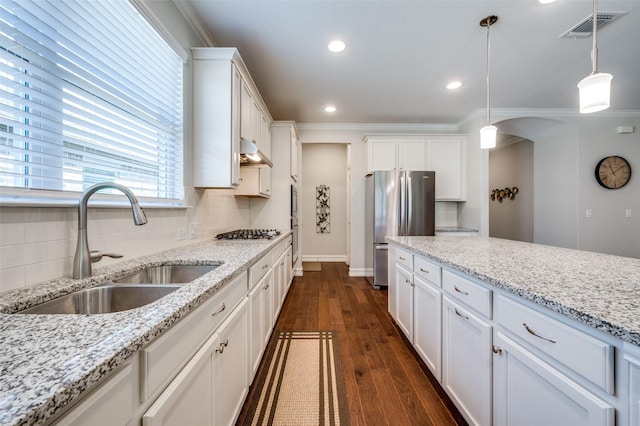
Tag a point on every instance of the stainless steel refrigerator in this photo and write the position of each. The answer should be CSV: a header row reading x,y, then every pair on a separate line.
x,y
397,203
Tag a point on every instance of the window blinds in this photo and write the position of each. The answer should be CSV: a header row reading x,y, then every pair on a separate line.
x,y
89,92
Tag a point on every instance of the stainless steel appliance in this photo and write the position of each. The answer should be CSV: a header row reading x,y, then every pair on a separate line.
x,y
294,225
397,203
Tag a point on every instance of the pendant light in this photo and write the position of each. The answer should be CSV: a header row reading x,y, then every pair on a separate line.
x,y
488,133
595,89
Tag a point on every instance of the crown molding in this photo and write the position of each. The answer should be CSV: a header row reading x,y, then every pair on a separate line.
x,y
500,114
196,24
381,127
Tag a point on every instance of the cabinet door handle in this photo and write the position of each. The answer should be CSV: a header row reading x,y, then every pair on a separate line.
x,y
460,315
222,345
220,309
424,270
531,331
455,287
496,349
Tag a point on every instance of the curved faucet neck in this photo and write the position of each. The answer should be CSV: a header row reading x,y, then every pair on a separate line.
x,y
82,258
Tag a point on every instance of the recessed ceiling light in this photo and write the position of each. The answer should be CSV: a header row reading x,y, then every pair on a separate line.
x,y
337,46
546,1
454,85
330,109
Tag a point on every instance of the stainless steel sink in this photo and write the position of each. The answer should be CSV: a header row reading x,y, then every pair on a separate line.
x,y
167,274
131,291
103,299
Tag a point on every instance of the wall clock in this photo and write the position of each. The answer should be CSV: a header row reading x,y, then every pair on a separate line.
x,y
613,172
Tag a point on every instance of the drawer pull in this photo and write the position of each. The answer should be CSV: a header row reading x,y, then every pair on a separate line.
x,y
460,315
424,270
401,258
530,330
220,309
455,287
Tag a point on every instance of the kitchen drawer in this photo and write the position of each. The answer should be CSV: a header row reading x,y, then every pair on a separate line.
x,y
258,269
281,248
427,270
404,257
470,293
162,359
586,355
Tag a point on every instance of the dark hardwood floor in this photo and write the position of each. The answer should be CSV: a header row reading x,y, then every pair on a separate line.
x,y
386,382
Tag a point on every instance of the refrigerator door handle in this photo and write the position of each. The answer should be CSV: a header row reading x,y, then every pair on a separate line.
x,y
382,247
402,207
409,198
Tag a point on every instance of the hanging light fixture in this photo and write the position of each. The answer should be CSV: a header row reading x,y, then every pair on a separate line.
x,y
488,133
595,89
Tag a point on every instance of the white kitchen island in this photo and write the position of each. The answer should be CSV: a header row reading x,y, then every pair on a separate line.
x,y
520,333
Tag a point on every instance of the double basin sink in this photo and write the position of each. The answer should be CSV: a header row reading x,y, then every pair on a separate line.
x,y
131,291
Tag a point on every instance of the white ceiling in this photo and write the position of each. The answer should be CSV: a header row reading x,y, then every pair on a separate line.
x,y
401,54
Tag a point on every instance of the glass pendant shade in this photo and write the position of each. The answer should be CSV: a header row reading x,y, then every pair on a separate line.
x,y
488,137
595,92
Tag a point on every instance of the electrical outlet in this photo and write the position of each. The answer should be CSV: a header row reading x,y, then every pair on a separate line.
x,y
627,213
588,213
182,233
193,229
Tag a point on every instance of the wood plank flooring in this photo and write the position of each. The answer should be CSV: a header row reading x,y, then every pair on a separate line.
x,y
386,382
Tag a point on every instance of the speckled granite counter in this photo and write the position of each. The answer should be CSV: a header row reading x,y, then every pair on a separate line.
x,y
46,361
454,229
599,290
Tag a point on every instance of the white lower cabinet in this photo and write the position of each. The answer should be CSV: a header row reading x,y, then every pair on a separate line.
x,y
632,361
230,368
404,301
188,399
211,388
427,327
267,319
256,327
466,361
111,404
528,391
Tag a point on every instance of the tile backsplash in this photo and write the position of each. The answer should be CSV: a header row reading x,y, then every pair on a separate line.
x,y
38,243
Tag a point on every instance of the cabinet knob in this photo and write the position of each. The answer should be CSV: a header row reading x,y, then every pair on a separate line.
x,y
222,345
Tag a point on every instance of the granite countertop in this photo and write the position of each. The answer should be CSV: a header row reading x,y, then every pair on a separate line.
x,y
46,361
599,290
454,229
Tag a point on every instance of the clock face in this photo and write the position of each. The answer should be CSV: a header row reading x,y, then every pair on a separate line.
x,y
613,172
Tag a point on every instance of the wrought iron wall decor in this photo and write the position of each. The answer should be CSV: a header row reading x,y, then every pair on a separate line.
x,y
323,225
501,194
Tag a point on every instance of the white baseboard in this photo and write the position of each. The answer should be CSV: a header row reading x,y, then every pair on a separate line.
x,y
357,272
326,258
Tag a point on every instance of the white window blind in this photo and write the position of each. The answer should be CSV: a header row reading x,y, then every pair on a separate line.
x,y
89,92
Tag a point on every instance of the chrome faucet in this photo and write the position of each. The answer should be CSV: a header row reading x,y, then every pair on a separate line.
x,y
83,257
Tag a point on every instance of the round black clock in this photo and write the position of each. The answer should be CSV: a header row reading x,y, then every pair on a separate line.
x,y
613,172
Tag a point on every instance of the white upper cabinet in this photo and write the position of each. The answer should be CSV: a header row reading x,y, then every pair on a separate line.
x,y
396,154
226,107
444,154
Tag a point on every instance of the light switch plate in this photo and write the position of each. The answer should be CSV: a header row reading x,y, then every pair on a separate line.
x,y
627,213
588,213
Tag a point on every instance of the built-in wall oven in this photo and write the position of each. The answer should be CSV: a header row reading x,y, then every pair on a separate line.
x,y
294,224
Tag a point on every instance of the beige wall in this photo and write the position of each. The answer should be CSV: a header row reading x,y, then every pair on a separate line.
x,y
512,166
324,164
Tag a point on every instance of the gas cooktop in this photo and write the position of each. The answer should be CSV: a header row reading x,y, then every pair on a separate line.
x,y
248,234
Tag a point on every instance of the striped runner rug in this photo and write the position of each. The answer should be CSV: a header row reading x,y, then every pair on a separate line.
x,y
301,382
